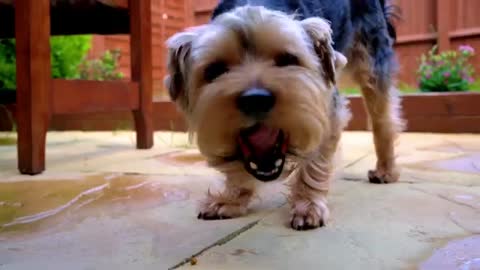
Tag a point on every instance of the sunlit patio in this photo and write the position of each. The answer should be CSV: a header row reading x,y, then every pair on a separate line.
x,y
103,204
93,176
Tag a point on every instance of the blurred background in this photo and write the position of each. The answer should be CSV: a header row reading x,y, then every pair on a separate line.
x,y
96,186
436,45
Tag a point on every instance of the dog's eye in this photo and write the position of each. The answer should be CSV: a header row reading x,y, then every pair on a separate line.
x,y
286,59
215,70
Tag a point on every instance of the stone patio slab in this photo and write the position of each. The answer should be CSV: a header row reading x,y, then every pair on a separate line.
x,y
136,234
373,227
102,204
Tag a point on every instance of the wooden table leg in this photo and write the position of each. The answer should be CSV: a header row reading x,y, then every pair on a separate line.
x,y
32,32
141,64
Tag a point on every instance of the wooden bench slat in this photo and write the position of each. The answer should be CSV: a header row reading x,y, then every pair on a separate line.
x,y
85,17
113,3
81,96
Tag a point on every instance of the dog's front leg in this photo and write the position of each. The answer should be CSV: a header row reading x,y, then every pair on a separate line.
x,y
233,200
310,187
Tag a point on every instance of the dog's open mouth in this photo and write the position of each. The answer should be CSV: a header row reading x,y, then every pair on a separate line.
x,y
263,151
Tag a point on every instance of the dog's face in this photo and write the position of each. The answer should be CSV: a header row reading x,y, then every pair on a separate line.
x,y
255,83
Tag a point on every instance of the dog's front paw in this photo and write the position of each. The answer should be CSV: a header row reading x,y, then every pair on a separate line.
x,y
307,215
212,210
383,176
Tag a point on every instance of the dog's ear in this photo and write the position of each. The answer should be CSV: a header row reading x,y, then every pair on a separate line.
x,y
320,33
340,62
178,58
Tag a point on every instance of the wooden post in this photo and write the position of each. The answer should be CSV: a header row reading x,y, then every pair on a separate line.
x,y
32,32
444,16
141,65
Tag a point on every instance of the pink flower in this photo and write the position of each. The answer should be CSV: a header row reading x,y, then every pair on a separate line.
x,y
466,49
471,80
446,74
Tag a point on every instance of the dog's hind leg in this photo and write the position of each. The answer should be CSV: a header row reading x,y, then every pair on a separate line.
x,y
374,73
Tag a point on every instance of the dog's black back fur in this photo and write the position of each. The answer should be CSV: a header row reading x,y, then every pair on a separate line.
x,y
367,20
347,17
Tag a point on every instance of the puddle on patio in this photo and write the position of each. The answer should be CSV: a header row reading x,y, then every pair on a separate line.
x,y
466,158
457,255
468,163
453,147
35,205
182,158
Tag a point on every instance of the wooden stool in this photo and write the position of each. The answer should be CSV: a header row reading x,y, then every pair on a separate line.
x,y
39,96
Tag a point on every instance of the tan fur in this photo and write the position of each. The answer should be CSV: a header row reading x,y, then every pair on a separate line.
x,y
383,106
234,199
312,180
248,39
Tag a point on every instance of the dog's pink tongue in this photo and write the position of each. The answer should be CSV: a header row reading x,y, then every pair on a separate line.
x,y
263,140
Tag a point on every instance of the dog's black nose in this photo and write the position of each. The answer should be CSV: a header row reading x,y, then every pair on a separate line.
x,y
256,102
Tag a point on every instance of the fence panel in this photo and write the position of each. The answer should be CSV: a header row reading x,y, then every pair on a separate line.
x,y
418,30
424,23
465,27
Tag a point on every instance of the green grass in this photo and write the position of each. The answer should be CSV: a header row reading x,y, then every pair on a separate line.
x,y
350,91
407,89
475,87
7,140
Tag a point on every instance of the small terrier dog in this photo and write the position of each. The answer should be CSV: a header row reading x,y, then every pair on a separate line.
x,y
257,86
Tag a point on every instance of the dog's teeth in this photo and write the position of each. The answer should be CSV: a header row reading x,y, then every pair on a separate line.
x,y
278,163
253,166
270,173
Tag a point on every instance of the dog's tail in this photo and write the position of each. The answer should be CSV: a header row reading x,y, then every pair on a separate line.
x,y
392,12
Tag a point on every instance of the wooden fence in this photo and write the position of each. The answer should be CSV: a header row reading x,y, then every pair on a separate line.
x,y
448,23
168,17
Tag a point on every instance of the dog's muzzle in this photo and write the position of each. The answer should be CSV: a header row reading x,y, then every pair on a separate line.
x,y
263,150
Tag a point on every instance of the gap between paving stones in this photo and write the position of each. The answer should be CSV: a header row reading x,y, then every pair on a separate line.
x,y
220,242
357,160
245,228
